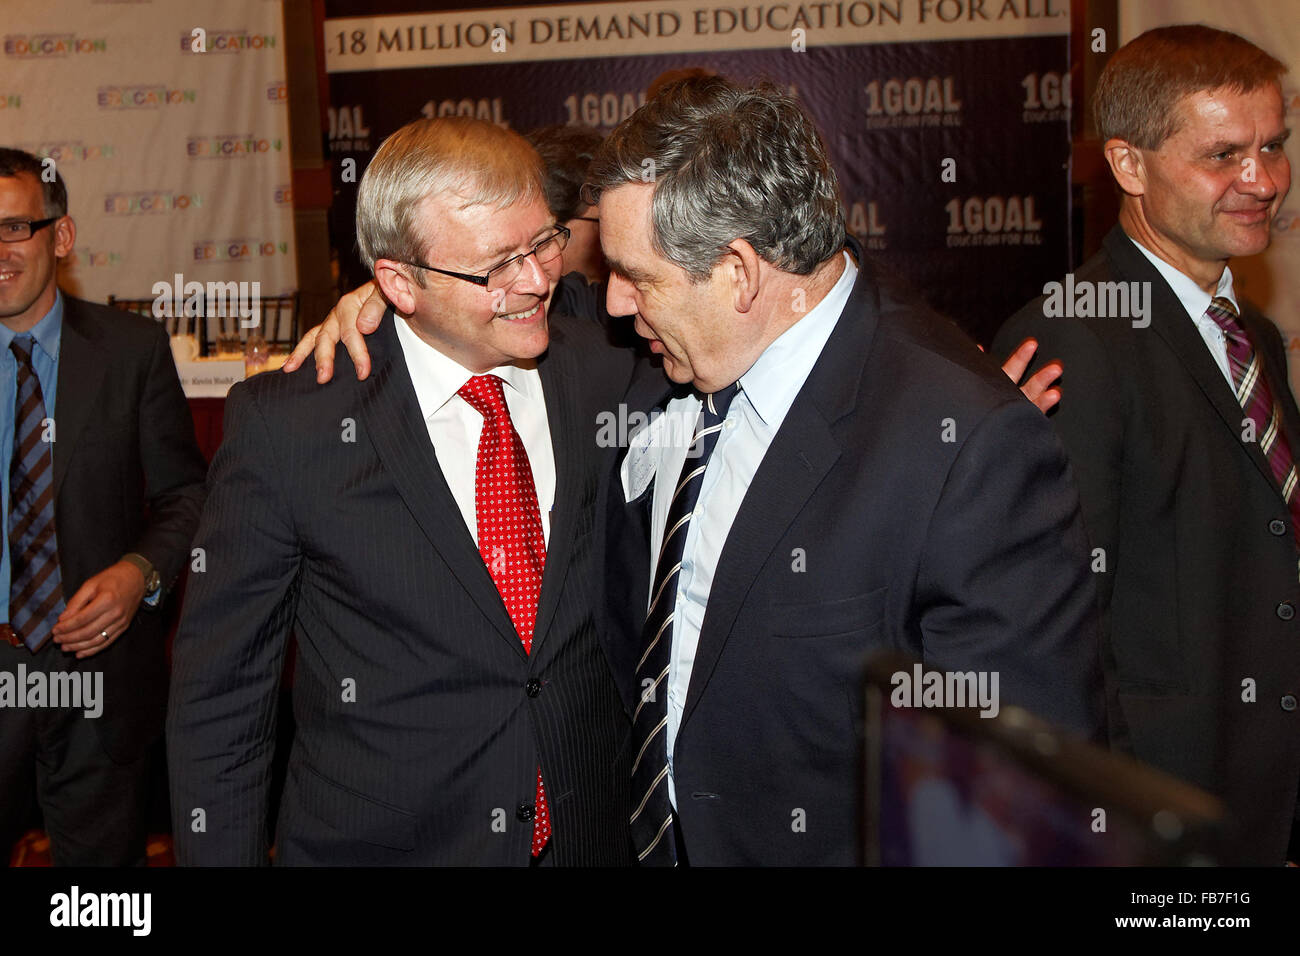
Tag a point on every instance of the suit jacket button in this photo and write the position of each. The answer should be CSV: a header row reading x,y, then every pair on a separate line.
x,y
1286,610
533,687
1288,703
524,812
1277,526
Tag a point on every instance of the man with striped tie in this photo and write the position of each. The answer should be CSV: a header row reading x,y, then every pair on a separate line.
x,y
1183,432
831,469
102,486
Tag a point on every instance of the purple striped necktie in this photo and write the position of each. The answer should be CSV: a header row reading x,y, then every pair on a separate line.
x,y
1256,399
35,589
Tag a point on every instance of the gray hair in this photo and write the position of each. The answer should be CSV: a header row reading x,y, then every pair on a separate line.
x,y
475,161
728,162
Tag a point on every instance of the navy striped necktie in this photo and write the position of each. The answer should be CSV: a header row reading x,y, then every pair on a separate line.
x,y
652,819
35,589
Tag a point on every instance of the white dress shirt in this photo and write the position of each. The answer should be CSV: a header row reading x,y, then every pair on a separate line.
x,y
454,425
1196,300
767,391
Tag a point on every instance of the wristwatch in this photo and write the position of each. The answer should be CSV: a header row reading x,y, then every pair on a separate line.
x,y
152,582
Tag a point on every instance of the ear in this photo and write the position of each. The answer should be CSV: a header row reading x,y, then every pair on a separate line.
x,y
1126,166
395,282
741,267
65,236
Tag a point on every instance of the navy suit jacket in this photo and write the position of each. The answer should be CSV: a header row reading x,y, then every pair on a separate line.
x,y
911,500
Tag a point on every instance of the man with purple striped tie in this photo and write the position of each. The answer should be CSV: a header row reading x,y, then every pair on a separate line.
x,y
1182,430
101,483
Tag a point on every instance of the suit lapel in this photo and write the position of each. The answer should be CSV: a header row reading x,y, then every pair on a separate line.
x,y
1172,324
392,420
82,364
572,448
803,450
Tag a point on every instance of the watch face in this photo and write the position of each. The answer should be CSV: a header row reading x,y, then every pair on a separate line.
x,y
152,583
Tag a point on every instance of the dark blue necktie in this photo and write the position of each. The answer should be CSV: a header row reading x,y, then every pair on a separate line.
x,y
35,590
652,819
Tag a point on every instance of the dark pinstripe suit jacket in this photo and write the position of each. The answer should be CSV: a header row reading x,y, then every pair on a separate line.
x,y
420,720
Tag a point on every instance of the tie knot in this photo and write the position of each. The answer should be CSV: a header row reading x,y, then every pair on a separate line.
x,y
21,346
484,394
1224,314
717,403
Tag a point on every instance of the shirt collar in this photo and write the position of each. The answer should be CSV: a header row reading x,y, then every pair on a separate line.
x,y
46,332
1194,299
773,381
438,378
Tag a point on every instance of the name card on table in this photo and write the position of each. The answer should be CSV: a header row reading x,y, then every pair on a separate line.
x,y
210,378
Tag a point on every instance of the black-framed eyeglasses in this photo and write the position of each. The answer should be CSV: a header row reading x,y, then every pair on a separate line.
x,y
503,275
20,230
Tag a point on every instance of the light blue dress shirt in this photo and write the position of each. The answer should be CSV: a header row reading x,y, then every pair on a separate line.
x,y
45,359
767,391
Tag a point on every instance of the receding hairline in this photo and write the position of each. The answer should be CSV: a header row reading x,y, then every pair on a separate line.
x,y
1183,109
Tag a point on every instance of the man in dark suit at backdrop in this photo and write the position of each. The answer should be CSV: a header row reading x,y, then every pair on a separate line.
x,y
103,483
861,478
1181,427
428,533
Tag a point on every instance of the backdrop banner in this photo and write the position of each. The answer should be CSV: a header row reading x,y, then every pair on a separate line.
x,y
947,120
168,121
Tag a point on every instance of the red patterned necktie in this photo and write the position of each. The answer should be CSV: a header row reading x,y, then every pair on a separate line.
x,y
510,537
1256,399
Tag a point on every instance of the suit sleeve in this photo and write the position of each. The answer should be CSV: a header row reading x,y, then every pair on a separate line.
x,y
1090,423
174,468
229,651
1004,584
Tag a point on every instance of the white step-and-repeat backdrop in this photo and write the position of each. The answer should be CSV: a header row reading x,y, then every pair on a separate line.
x,y
169,122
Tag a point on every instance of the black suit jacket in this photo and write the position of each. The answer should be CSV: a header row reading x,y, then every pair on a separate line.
x,y
421,722
1200,589
968,553
128,476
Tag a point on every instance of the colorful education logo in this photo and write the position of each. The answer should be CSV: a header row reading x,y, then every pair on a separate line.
x,y
37,45
147,97
92,259
69,151
207,251
230,146
149,203
225,41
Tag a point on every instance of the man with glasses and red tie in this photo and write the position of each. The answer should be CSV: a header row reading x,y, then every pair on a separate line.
x,y
428,533
1183,432
102,486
